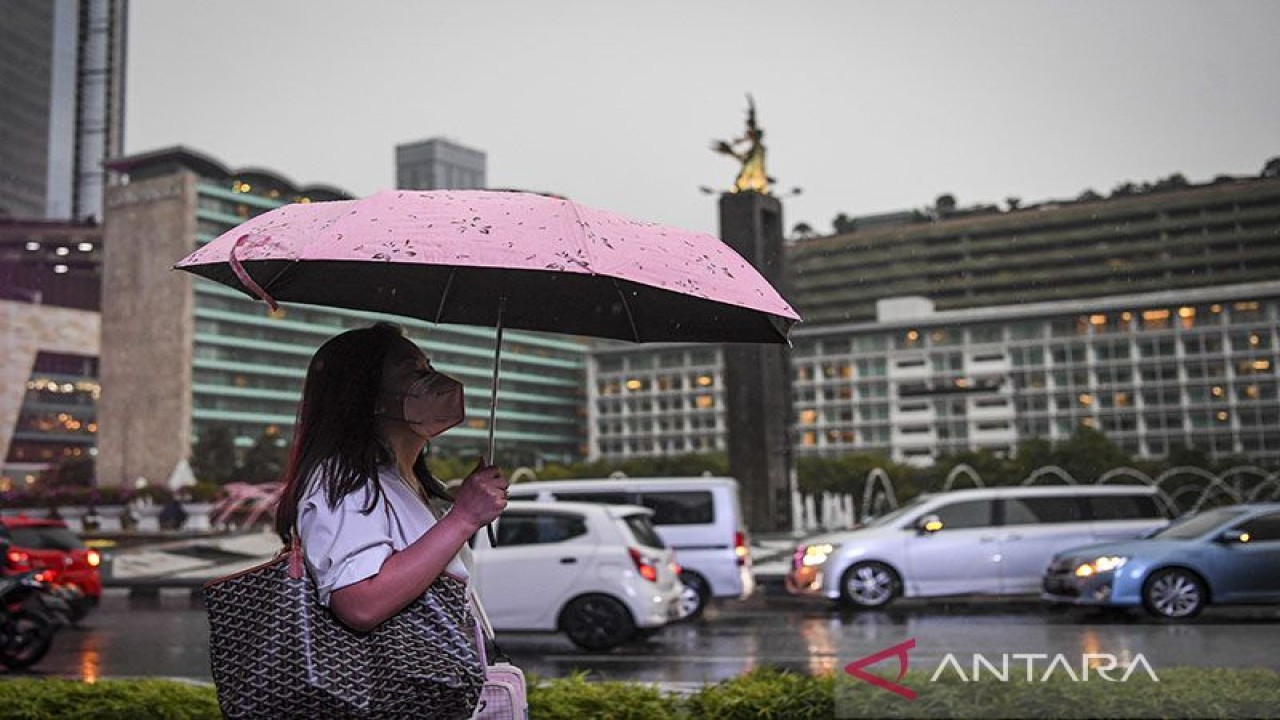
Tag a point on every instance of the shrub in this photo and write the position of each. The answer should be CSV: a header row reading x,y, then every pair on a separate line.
x,y
761,693
50,699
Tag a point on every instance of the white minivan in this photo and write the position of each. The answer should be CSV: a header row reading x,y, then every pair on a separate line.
x,y
990,541
698,517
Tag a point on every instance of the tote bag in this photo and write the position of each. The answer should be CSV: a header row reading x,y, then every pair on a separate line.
x,y
277,652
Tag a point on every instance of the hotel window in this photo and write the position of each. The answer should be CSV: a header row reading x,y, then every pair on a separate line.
x,y
1156,319
948,362
1258,366
875,367
1115,350
986,334
1245,340
1026,331
871,343
1068,327
1027,356
1246,310
670,360
1067,354
702,357
908,339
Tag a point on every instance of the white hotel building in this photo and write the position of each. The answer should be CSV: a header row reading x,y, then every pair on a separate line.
x,y
1189,358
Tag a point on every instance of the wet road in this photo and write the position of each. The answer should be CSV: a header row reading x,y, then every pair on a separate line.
x,y
167,637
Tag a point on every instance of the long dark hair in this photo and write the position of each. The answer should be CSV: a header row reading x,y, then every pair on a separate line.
x,y
336,429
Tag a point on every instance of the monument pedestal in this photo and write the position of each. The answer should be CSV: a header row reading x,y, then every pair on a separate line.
x,y
758,377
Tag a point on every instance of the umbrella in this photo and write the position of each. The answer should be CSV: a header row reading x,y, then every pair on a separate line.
x,y
500,259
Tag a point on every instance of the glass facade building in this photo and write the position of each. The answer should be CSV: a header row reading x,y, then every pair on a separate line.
x,y
247,364
63,111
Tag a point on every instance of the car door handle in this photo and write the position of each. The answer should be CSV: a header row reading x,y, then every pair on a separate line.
x,y
1014,536
569,561
987,539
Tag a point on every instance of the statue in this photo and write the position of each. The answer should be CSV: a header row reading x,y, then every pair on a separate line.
x,y
752,177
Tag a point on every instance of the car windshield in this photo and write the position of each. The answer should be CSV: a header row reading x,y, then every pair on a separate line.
x,y
1197,525
45,538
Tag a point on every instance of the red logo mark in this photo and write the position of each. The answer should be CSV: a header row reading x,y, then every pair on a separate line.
x,y
899,651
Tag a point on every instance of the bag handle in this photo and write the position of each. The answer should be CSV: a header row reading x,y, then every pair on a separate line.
x,y
484,632
294,549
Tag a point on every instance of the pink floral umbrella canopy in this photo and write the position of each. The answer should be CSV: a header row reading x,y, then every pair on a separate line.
x,y
518,260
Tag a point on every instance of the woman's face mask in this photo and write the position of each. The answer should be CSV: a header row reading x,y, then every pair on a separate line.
x,y
432,404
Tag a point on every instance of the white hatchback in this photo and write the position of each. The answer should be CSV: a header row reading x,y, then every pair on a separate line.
x,y
598,573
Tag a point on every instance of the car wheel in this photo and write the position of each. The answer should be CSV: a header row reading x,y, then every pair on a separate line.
x,y
694,597
1174,593
869,584
597,622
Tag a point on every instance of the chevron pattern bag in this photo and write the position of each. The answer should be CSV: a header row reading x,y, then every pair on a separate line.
x,y
277,652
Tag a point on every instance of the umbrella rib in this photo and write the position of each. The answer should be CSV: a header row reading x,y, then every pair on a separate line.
x,y
445,294
635,334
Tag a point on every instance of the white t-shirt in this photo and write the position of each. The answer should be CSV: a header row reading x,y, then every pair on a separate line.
x,y
343,545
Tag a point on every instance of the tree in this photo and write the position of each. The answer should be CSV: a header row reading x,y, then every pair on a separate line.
x,y
1087,454
73,472
1032,454
992,468
944,204
802,230
1125,189
1089,195
1272,168
265,461
213,456
1013,202
843,224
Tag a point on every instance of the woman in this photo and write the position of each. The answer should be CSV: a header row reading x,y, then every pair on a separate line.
x,y
376,528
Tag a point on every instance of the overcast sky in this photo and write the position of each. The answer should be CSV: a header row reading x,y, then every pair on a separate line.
x,y
868,106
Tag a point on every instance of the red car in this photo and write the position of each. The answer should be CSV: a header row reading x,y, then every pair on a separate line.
x,y
52,548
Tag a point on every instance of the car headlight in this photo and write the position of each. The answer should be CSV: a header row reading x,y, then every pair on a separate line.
x,y
1104,564
817,554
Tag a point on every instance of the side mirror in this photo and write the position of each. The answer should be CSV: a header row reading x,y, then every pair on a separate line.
x,y
929,524
1232,537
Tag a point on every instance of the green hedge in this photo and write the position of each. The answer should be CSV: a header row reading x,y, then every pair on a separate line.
x,y
1180,693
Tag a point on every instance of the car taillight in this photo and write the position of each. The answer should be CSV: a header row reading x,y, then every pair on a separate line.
x,y
646,569
46,576
740,548
18,559
94,558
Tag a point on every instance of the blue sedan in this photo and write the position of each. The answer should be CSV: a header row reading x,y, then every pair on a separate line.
x,y
1227,555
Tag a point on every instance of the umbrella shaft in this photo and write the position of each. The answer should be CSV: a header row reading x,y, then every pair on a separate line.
x,y
493,397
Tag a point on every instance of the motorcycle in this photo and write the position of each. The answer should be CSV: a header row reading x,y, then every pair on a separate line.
x,y
28,619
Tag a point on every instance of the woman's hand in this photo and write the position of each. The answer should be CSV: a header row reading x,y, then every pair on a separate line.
x,y
482,496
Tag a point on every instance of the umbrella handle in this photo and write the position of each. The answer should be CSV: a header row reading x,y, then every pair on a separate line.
x,y
245,279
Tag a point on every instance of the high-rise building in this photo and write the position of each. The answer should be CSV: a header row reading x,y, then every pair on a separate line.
x,y
1153,317
62,81
439,164
182,354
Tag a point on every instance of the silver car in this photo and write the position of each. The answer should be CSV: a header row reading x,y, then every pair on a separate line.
x,y
992,541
